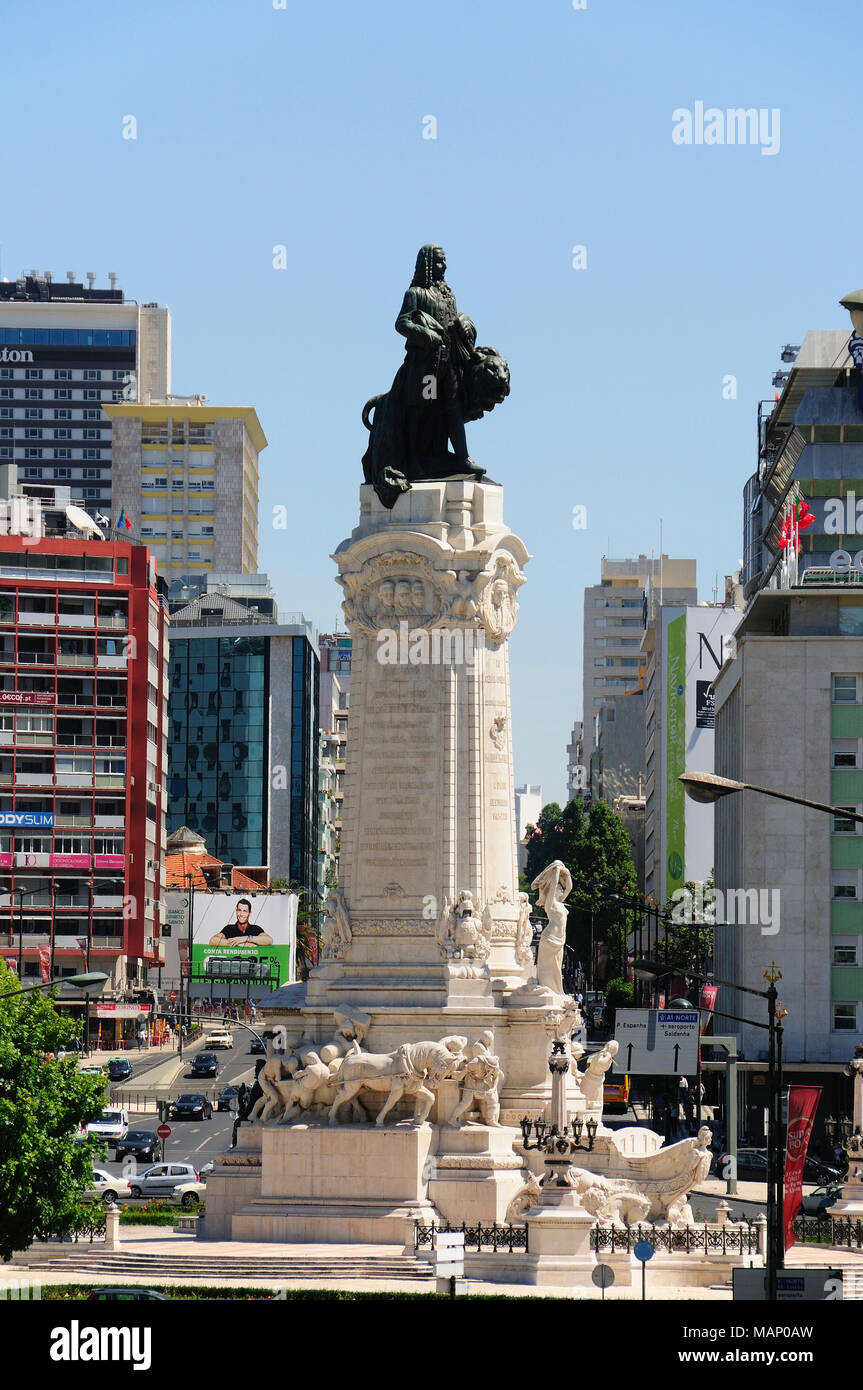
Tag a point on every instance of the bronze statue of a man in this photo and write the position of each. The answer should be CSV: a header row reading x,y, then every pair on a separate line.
x,y
443,381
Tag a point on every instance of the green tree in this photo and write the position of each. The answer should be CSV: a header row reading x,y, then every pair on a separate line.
x,y
596,849
43,1101
691,928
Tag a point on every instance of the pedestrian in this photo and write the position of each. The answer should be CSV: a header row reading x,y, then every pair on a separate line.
x,y
140,1039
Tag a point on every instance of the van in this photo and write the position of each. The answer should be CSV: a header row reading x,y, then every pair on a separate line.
x,y
111,1125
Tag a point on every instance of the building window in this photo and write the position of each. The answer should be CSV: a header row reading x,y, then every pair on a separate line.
x,y
62,472
32,453
845,1017
62,434
90,374
844,752
61,393
91,414
63,454
845,690
843,826
844,883
34,413
63,414
33,393
62,374
92,395
92,453
845,952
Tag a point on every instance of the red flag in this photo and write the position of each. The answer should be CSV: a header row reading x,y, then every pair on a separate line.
x,y
802,1105
45,963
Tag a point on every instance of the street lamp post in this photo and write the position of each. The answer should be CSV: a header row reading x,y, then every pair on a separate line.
x,y
706,787
190,880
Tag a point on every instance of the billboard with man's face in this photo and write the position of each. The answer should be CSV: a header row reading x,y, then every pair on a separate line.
x,y
232,928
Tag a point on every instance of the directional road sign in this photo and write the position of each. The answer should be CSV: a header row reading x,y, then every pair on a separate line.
x,y
658,1041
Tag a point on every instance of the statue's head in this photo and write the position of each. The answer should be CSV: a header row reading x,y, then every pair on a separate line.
x,y
430,266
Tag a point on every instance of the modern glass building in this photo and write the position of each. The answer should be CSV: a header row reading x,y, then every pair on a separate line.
x,y
243,731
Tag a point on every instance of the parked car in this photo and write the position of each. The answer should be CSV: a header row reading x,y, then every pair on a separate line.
x,y
92,1071
751,1164
819,1201
206,1170
128,1294
119,1068
112,1126
816,1170
205,1064
162,1178
258,1046
225,1096
106,1188
188,1194
191,1106
140,1143
219,1037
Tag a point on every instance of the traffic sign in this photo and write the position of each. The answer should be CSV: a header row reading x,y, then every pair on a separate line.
x,y
643,1250
657,1041
173,995
164,1131
603,1276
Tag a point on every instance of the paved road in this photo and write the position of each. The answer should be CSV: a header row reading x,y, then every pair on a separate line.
x,y
196,1142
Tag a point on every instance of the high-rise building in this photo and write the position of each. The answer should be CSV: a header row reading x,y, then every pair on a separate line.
x,y
83,722
186,475
686,646
576,763
335,681
244,726
614,621
528,807
65,351
810,447
789,716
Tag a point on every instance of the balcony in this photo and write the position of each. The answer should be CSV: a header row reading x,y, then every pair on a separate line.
x,y
113,662
118,624
30,658
36,619
76,659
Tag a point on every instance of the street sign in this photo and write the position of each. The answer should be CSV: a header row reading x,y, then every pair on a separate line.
x,y
173,995
603,1276
448,1249
164,1131
657,1041
792,1286
643,1250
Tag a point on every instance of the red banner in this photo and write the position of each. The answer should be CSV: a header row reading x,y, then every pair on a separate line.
x,y
707,1004
802,1105
45,963
83,945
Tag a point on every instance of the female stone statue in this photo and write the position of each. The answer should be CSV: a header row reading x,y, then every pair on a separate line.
x,y
553,885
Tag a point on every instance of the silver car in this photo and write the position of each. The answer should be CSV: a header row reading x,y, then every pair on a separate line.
x,y
162,1178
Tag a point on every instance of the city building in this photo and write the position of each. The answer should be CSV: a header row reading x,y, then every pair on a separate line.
x,y
614,621
617,757
244,726
335,684
65,351
789,717
186,476
811,448
576,763
685,644
528,806
83,755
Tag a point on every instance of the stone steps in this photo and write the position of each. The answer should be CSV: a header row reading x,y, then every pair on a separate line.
x,y
237,1268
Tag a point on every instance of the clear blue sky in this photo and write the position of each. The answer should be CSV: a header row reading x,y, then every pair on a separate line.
x,y
259,126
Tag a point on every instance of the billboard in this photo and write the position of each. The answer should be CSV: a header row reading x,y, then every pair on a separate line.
x,y
235,933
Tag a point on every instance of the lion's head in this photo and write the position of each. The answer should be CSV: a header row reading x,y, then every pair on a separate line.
x,y
487,383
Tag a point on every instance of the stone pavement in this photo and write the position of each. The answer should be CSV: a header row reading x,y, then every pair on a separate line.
x,y
163,1244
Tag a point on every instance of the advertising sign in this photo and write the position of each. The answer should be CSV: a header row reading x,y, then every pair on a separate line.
x,y
26,818
802,1104
122,1010
26,697
705,705
243,930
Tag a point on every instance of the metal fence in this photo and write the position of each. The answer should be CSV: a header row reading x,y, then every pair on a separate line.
x,y
90,1227
493,1238
829,1230
688,1240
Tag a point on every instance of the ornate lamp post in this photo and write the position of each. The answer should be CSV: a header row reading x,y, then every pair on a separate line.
x,y
558,1137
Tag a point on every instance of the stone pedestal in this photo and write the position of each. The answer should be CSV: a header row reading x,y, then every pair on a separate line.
x,y
475,1174
340,1184
559,1240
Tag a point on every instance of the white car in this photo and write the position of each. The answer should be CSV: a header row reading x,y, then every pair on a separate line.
x,y
188,1194
106,1188
220,1037
111,1127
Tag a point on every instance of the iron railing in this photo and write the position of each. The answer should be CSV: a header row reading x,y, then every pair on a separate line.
x,y
494,1238
91,1227
829,1230
688,1240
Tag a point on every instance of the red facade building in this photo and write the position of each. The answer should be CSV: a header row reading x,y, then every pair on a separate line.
x,y
83,729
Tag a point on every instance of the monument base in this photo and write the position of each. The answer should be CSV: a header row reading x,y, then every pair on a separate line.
x,y
475,1174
